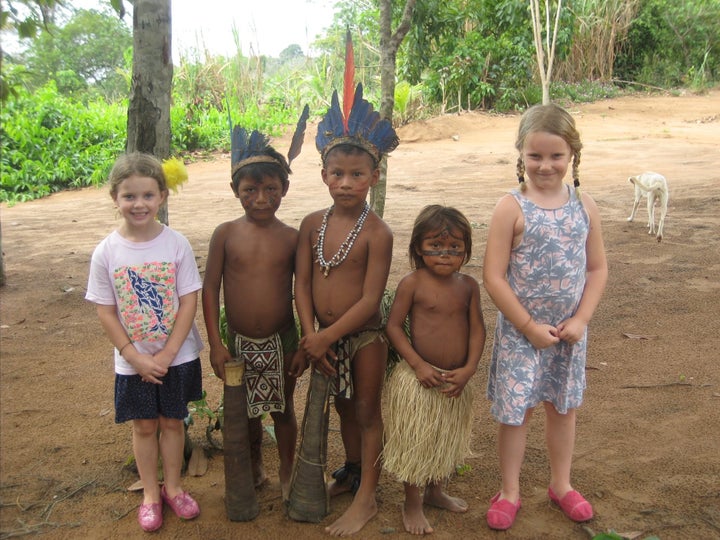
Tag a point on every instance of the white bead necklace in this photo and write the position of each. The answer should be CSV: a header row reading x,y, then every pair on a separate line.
x,y
345,247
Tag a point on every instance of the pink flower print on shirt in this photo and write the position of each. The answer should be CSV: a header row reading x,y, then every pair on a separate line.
x,y
147,296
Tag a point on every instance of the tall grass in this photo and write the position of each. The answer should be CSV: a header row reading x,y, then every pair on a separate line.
x,y
600,26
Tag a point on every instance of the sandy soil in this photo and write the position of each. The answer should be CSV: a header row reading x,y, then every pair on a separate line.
x,y
648,443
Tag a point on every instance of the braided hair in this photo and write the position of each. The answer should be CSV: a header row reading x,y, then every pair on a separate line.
x,y
552,119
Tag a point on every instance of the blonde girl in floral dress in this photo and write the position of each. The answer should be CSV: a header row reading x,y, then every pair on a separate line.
x,y
545,270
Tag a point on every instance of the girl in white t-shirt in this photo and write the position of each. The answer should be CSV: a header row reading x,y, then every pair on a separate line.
x,y
144,281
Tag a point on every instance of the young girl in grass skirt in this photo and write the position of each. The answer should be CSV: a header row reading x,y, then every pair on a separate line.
x,y
428,415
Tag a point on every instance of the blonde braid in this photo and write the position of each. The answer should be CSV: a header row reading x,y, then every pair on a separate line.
x,y
521,174
576,176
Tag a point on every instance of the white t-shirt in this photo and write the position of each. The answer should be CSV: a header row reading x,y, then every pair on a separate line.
x,y
145,281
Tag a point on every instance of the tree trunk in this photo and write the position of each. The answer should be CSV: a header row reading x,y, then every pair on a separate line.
x,y
389,44
148,128
546,51
2,262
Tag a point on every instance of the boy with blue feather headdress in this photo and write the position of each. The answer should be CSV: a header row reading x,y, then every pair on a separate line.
x,y
253,258
342,266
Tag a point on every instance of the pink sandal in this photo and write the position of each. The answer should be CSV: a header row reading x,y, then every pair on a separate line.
x,y
573,505
150,516
184,506
502,512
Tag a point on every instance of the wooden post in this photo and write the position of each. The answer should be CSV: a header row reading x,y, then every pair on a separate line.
x,y
240,501
309,499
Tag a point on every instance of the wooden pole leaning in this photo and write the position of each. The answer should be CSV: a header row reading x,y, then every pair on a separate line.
x,y
240,500
309,499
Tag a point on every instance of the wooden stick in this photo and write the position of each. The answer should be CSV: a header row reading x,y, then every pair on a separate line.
x,y
309,499
240,500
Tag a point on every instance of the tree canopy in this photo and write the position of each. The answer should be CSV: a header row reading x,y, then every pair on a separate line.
x,y
99,43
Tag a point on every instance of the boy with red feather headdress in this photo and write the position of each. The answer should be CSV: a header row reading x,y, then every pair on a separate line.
x,y
342,266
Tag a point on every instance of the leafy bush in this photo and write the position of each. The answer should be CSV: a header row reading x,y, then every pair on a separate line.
x,y
194,128
583,92
50,140
49,143
408,103
672,44
471,53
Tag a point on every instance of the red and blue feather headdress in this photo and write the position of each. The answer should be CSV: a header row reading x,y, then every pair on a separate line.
x,y
357,123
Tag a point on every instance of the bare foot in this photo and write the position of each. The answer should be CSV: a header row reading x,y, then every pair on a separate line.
x,y
337,488
354,518
346,478
440,499
414,519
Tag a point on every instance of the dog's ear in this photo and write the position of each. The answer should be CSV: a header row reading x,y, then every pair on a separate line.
x,y
631,179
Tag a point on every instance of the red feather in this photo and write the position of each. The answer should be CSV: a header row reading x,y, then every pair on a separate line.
x,y
349,80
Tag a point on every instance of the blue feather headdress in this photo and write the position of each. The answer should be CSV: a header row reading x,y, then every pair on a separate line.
x,y
357,123
254,147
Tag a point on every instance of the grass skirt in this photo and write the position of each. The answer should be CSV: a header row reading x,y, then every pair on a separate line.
x,y
427,435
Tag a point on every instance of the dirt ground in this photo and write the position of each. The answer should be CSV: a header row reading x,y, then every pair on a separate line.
x,y
648,437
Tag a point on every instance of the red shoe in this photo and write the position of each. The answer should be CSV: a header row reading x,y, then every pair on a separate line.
x,y
184,506
150,516
573,505
502,512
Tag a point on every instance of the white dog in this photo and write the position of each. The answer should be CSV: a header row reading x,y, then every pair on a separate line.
x,y
655,188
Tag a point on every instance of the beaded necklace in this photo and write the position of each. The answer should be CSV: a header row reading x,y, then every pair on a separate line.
x,y
344,248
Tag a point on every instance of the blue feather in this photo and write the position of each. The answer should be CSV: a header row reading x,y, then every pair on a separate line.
x,y
299,135
362,116
243,146
238,144
331,127
384,137
257,143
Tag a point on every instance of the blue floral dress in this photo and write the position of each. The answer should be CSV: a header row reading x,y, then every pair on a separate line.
x,y
547,273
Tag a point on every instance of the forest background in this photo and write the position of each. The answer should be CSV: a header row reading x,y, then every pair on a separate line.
x,y
65,92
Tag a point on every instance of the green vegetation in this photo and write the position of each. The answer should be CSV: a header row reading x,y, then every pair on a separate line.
x,y
50,142
64,117
672,44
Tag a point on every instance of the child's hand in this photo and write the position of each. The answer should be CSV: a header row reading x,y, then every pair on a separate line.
x,y
428,376
148,368
318,353
219,356
571,330
541,336
298,364
163,358
455,381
